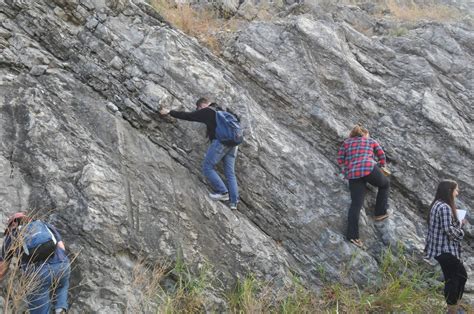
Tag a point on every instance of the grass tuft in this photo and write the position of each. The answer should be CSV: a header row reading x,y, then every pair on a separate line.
x,y
404,285
173,289
412,12
19,283
203,23
249,296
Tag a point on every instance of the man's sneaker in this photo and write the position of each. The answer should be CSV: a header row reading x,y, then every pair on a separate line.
x,y
233,206
219,196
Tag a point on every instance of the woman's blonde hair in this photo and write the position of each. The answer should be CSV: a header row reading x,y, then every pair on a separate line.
x,y
358,130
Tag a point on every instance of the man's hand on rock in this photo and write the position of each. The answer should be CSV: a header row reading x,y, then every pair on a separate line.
x,y
164,112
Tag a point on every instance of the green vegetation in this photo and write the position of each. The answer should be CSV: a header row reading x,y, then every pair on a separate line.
x,y
171,290
399,31
187,295
403,286
249,296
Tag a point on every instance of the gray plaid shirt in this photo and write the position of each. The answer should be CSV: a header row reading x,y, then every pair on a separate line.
x,y
444,232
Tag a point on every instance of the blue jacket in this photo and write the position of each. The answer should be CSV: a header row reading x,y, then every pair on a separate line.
x,y
59,255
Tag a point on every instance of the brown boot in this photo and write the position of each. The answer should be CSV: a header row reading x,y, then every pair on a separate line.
x,y
452,309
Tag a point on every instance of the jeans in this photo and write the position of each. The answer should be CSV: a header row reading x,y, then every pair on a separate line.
x,y
215,153
51,287
358,188
455,277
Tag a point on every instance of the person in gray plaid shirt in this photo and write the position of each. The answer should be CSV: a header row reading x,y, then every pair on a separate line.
x,y
443,242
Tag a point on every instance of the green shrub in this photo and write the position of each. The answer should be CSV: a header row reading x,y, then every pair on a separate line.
x,y
399,31
404,285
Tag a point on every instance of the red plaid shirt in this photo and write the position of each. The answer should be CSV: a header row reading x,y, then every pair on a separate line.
x,y
357,156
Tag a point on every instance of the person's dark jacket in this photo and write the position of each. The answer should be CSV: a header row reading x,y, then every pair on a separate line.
x,y
206,116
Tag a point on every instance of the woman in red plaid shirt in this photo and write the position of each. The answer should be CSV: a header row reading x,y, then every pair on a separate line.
x,y
360,158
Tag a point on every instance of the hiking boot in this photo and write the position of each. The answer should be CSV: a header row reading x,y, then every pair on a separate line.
x,y
385,171
357,242
452,309
381,217
219,196
233,206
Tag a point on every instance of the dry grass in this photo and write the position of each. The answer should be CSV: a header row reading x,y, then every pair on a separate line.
x,y
165,289
404,286
411,12
408,10
250,296
147,279
19,283
255,296
204,24
211,28
18,286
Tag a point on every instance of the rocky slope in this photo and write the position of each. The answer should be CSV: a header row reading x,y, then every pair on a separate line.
x,y
82,143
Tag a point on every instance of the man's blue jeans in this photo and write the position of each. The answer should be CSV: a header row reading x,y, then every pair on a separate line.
x,y
215,153
51,287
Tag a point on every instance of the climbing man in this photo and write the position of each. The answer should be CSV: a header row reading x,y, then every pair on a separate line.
x,y
41,256
218,123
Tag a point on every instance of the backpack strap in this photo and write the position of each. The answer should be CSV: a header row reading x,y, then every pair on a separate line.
x,y
52,234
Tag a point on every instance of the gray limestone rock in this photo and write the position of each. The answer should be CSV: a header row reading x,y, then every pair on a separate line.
x,y
38,70
127,187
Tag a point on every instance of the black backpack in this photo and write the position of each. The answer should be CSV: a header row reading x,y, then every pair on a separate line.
x,y
38,242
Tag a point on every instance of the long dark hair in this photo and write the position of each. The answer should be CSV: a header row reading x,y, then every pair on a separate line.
x,y
445,193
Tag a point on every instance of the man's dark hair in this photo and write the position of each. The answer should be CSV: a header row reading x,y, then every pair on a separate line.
x,y
202,100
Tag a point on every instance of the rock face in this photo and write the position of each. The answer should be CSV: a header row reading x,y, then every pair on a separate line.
x,y
82,143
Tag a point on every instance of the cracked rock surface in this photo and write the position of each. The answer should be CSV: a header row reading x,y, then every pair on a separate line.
x,y
81,83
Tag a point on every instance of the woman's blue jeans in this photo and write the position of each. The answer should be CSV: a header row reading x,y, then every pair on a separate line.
x,y
215,153
51,287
